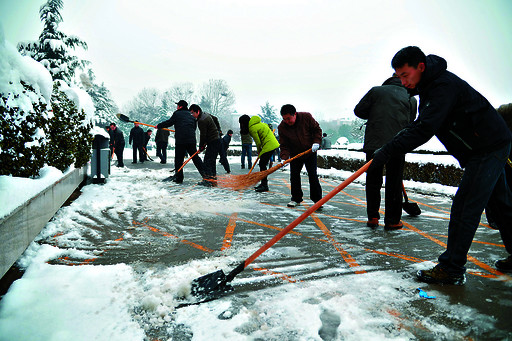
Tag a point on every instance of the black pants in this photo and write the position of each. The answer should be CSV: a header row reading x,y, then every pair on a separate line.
x,y
393,194
141,153
210,158
161,150
223,153
315,190
179,154
263,163
119,155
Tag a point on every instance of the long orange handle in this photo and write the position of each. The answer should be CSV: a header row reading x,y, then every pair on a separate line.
x,y
149,125
190,158
307,213
254,164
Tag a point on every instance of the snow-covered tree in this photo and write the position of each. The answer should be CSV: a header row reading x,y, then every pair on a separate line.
x,y
269,115
105,107
146,106
217,98
68,133
171,96
54,48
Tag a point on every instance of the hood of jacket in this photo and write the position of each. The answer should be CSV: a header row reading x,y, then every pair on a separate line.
x,y
393,81
254,120
434,66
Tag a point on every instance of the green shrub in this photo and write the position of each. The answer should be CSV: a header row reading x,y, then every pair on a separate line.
x,y
22,138
69,141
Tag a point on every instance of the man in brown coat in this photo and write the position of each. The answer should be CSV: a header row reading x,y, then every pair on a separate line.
x,y
298,132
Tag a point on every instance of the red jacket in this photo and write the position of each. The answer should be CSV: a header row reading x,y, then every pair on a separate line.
x,y
299,137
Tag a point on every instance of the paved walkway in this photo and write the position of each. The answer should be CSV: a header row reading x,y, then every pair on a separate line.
x,y
332,243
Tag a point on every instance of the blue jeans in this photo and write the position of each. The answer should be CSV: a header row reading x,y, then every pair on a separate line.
x,y
483,183
247,150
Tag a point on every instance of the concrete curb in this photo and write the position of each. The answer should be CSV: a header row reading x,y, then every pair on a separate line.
x,y
19,228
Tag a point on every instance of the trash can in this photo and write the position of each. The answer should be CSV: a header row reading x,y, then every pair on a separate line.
x,y
100,162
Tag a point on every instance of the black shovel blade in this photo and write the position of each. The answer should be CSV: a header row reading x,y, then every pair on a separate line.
x,y
411,208
211,286
123,118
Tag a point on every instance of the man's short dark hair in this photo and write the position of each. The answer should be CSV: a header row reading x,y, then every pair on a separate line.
x,y
288,109
324,135
195,108
411,55
112,124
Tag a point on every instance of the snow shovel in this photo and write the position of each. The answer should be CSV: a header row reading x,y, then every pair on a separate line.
x,y
149,157
211,286
173,177
411,208
125,118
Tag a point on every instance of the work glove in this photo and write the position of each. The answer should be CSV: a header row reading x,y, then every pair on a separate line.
x,y
380,158
315,147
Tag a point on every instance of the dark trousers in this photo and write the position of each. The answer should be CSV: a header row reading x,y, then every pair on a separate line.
x,y
263,163
223,159
315,190
393,193
210,158
180,151
161,150
141,153
483,183
119,155
247,151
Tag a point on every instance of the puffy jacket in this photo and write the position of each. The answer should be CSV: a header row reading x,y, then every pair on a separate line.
x,y
208,130
461,118
262,135
388,108
136,136
299,137
184,125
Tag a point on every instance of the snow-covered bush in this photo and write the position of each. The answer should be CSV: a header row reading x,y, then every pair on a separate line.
x,y
69,141
22,138
25,91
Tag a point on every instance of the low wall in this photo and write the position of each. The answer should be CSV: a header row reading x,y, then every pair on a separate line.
x,y
20,227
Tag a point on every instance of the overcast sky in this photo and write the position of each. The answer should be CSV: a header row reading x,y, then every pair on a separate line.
x,y
321,56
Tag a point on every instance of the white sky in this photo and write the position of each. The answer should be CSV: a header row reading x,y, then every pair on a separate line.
x,y
321,56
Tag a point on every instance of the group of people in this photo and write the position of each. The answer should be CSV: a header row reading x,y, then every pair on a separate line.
x,y
470,129
449,108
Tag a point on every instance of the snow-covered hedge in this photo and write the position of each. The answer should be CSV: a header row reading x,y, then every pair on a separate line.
x,y
443,173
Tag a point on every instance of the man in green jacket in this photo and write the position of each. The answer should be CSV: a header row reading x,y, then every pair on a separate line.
x,y
265,141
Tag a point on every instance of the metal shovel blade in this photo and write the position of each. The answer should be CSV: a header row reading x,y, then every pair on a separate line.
x,y
411,208
123,118
211,286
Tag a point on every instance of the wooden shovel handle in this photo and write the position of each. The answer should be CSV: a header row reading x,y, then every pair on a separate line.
x,y
308,212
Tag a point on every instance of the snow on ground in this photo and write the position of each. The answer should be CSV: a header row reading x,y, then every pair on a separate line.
x,y
123,302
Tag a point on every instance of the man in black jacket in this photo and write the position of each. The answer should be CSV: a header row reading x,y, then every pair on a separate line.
x,y
223,152
162,140
473,132
117,143
185,134
209,139
137,141
388,108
